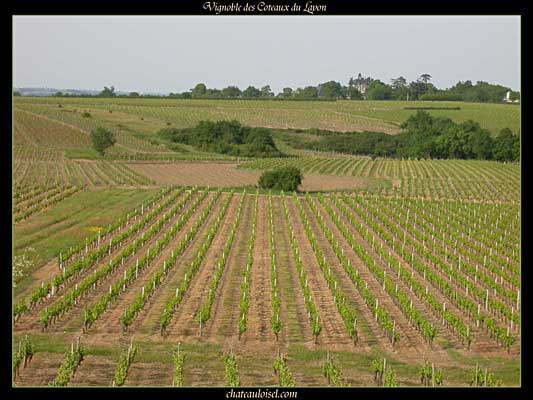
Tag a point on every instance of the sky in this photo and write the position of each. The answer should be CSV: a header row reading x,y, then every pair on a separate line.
x,y
172,54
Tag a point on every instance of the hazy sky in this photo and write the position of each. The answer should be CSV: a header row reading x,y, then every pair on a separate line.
x,y
171,54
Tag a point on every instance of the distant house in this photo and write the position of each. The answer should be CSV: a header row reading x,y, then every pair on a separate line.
x,y
362,84
508,99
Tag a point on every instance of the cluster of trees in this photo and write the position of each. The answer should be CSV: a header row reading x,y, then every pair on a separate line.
x,y
359,88
282,178
225,137
422,136
433,137
481,92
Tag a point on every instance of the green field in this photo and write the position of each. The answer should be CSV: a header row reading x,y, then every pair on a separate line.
x,y
146,116
408,260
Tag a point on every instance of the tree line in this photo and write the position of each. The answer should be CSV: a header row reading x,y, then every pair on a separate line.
x,y
422,136
358,88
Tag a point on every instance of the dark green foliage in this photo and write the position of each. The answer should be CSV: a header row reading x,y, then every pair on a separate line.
x,y
423,136
330,90
102,139
108,92
379,91
251,92
480,92
226,137
506,146
284,178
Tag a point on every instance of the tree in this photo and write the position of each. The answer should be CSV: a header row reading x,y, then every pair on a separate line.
x,y
309,92
330,90
506,146
379,91
199,90
108,92
400,89
425,78
399,82
231,92
102,139
251,92
353,94
134,94
283,178
286,93
266,91
417,89
16,94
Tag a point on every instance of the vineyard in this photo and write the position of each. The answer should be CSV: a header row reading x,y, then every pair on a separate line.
x,y
147,115
157,267
242,272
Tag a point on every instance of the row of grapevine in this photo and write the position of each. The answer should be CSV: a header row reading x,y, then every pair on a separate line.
x,y
231,370
157,278
472,309
426,329
244,303
69,300
400,299
50,288
204,312
332,372
23,355
383,318
72,359
173,303
124,364
67,256
312,311
131,274
275,321
347,312
464,269
178,360
47,202
282,370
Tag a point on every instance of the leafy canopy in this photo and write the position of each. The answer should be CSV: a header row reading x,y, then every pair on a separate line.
x,y
283,178
102,139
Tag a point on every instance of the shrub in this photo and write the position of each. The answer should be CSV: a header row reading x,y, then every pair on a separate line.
x,y
102,139
283,178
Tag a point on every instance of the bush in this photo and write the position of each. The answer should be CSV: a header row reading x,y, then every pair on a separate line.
x,y
284,178
102,139
86,115
225,137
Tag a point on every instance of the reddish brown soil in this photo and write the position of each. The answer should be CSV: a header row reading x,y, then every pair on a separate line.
x,y
109,322
41,370
225,312
227,175
94,371
334,333
260,312
149,374
185,324
148,319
